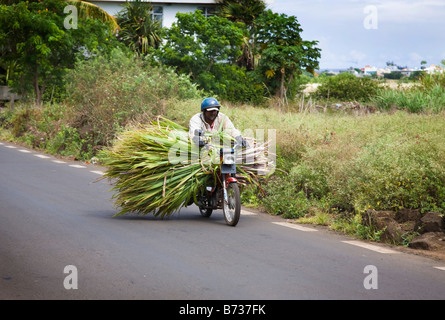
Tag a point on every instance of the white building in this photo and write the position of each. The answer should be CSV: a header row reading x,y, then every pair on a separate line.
x,y
163,10
434,69
368,70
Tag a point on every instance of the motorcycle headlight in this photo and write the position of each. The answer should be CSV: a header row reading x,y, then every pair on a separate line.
x,y
229,158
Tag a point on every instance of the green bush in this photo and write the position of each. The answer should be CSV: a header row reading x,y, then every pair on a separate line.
x,y
399,172
105,94
283,198
22,120
397,164
108,92
347,87
312,181
68,142
46,128
231,83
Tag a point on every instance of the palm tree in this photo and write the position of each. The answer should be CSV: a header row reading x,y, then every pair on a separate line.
x,y
90,10
85,10
139,30
245,11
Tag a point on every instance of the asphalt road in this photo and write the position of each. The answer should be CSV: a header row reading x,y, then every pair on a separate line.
x,y
53,215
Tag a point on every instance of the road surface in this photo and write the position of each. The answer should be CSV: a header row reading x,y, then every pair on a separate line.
x,y
58,240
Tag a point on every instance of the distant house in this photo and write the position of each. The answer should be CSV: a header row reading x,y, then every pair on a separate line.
x,y
368,70
163,10
434,69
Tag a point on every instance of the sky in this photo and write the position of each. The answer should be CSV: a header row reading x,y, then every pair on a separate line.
x,y
355,33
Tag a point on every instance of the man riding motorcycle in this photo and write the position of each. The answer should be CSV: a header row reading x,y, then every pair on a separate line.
x,y
210,120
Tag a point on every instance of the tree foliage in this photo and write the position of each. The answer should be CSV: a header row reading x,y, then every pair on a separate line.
x,y
206,50
37,48
219,54
195,43
245,11
90,10
138,30
284,54
240,54
85,10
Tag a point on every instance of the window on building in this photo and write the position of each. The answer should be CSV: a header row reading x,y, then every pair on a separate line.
x,y
207,11
157,13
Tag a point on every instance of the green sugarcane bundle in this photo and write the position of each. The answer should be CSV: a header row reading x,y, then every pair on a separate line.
x,y
158,169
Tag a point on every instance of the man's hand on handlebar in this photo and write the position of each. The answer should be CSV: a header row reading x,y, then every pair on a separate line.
x,y
242,142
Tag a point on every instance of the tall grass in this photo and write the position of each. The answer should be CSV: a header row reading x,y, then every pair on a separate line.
x,y
427,96
413,100
381,161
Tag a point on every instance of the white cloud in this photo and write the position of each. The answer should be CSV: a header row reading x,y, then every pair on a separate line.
x,y
407,30
414,56
334,56
405,11
357,56
411,11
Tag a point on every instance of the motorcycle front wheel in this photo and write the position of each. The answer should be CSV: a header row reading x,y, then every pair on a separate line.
x,y
232,204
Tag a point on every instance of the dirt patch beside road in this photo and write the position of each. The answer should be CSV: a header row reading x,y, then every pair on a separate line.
x,y
424,233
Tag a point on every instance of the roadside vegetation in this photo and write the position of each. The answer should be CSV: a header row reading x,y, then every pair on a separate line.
x,y
384,152
427,95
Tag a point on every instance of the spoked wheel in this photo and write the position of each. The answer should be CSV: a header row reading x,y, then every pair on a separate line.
x,y
232,205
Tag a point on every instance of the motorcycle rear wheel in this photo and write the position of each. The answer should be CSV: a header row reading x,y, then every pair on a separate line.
x,y
205,212
206,203
232,205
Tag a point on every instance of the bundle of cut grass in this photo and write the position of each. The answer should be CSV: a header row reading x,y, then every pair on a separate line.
x,y
158,169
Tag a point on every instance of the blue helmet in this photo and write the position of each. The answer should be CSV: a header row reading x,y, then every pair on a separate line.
x,y
209,103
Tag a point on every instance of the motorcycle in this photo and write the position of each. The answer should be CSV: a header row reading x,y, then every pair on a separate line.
x,y
225,193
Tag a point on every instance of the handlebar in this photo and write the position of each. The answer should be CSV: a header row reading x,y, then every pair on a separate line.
x,y
239,141
225,150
